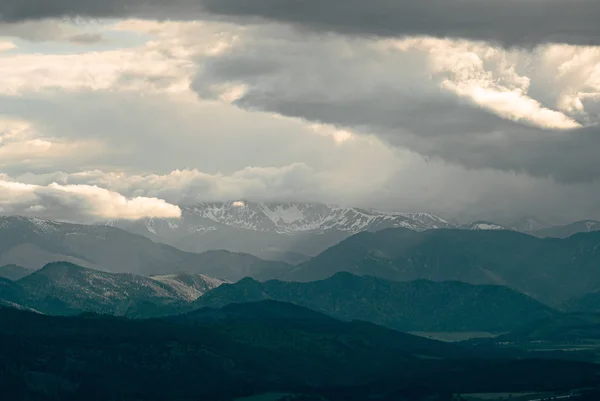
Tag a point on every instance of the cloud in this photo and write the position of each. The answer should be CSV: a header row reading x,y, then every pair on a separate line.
x,y
22,146
79,203
139,70
6,45
86,38
465,102
279,114
510,22
50,30
463,68
405,182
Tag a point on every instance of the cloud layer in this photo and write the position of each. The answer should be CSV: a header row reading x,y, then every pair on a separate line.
x,y
510,22
164,113
466,102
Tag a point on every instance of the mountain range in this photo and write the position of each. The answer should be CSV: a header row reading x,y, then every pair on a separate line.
x,y
32,243
279,231
551,270
293,232
406,306
568,230
67,289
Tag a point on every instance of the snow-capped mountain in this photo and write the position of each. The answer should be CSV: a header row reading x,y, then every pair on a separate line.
x,y
266,229
482,226
289,218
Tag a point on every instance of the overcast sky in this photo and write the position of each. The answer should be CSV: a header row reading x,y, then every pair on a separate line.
x,y
471,109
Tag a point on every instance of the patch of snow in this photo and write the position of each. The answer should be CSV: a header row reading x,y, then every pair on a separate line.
x,y
43,226
289,218
485,226
150,226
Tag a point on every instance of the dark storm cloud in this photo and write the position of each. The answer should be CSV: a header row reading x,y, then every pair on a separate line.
x,y
511,22
457,132
420,117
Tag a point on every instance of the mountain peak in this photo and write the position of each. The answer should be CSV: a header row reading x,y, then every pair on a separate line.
x,y
61,268
483,225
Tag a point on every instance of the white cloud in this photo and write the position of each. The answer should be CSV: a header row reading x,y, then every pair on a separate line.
x,y
486,76
79,202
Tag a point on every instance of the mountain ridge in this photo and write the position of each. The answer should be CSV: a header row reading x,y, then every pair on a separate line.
x,y
62,288
551,270
270,230
33,243
419,305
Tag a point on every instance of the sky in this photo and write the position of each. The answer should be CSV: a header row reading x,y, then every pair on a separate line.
x,y
469,109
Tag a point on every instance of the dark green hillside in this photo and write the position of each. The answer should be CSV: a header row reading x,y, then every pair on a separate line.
x,y
249,349
406,306
562,329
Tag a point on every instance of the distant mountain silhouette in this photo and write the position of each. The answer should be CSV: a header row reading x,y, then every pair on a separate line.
x,y
568,230
33,243
14,272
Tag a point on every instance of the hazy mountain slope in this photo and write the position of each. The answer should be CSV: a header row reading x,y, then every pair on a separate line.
x,y
406,306
189,286
568,230
14,272
229,266
528,224
32,243
269,230
552,270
